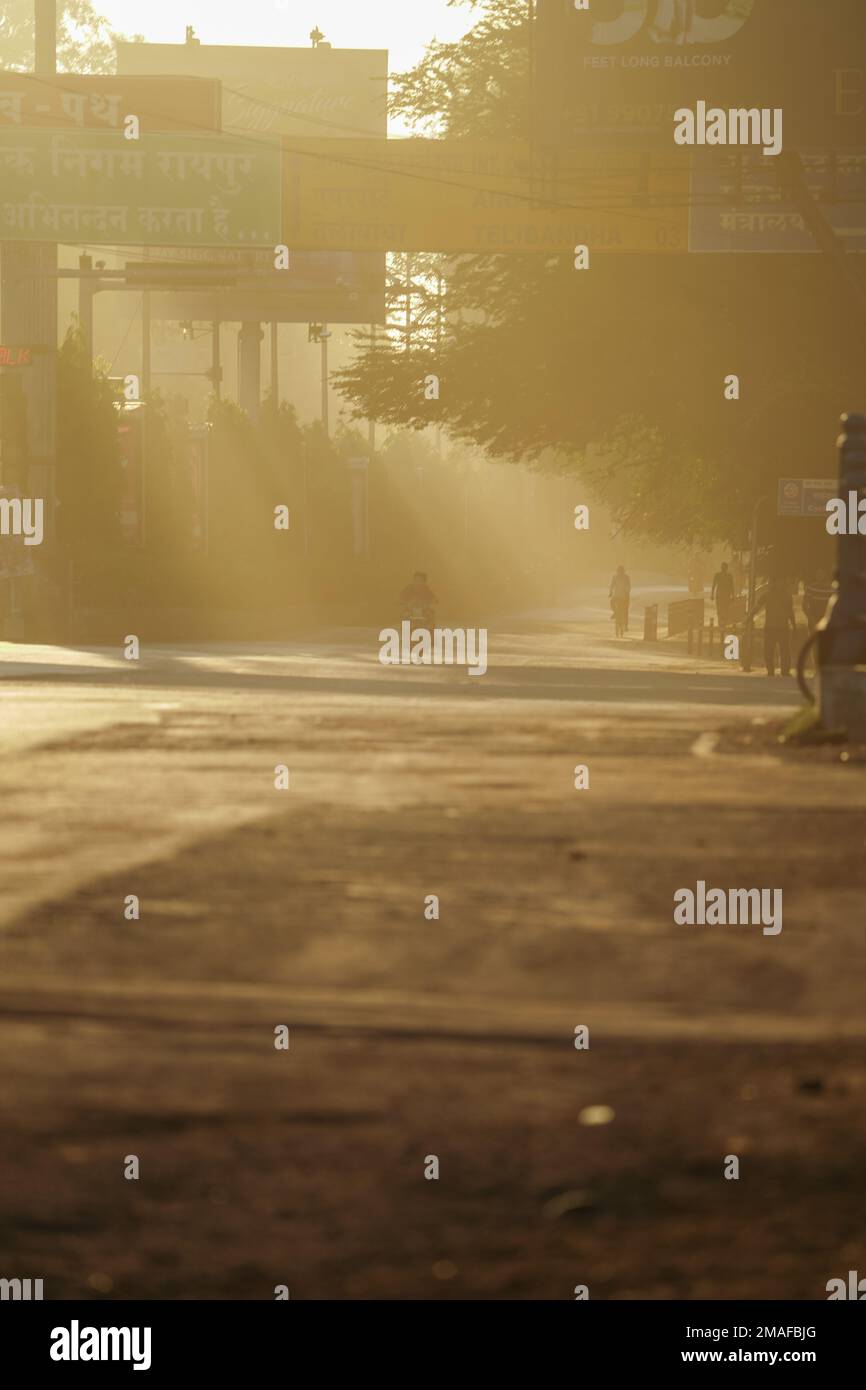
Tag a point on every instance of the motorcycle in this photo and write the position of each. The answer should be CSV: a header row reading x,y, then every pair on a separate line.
x,y
419,614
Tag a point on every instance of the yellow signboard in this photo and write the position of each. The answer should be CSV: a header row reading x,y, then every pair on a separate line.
x,y
477,196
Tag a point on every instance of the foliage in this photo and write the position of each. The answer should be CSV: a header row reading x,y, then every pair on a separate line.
x,y
615,374
85,41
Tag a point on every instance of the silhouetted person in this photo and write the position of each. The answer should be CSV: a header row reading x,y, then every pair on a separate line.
x,y
620,594
419,592
779,625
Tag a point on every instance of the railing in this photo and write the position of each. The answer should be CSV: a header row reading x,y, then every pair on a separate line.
x,y
685,615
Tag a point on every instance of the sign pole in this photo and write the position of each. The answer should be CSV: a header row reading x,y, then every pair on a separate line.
x,y
86,291
746,662
275,365
324,340
216,367
146,398
250,369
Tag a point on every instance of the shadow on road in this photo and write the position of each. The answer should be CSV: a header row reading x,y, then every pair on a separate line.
x,y
521,682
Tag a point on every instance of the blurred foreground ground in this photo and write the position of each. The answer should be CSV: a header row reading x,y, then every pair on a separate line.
x,y
412,1037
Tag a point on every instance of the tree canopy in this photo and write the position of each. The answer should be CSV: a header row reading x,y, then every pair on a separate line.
x,y
616,373
85,41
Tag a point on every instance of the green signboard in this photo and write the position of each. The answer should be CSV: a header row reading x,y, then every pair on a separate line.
x,y
99,188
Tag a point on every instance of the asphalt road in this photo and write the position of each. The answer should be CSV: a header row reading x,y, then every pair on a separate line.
x,y
412,1037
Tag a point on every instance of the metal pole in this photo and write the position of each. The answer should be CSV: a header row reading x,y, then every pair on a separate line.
x,y
250,369
275,366
371,424
306,500
145,346
841,662
40,323
746,656
325,421
86,291
216,369
439,348
145,409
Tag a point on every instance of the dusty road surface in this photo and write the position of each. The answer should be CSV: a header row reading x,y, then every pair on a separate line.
x,y
413,1036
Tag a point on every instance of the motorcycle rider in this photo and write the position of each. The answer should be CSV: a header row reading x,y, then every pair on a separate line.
x,y
418,594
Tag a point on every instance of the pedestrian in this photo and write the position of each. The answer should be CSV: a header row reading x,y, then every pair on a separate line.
x,y
723,593
620,594
779,624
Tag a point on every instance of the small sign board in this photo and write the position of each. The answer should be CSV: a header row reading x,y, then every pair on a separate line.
x,y
739,201
805,496
15,356
331,286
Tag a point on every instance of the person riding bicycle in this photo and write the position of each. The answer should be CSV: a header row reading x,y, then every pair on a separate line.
x,y
620,594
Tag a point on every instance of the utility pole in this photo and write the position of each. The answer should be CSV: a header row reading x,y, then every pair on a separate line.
x,y
842,631
250,369
145,346
438,349
86,292
216,368
28,294
325,420
275,365
371,424
746,654
145,409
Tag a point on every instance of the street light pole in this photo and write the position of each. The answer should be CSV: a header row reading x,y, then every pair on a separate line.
x,y
746,659
86,293
325,413
275,365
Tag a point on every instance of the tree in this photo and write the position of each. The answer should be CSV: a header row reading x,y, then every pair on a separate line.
x,y
85,40
478,85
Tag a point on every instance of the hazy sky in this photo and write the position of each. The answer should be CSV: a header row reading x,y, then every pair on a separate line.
x,y
402,26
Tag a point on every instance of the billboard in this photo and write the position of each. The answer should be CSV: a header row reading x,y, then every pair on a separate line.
x,y
296,92
89,186
475,196
71,101
613,74
279,91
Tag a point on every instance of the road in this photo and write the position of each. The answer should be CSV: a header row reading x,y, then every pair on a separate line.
x,y
412,1037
